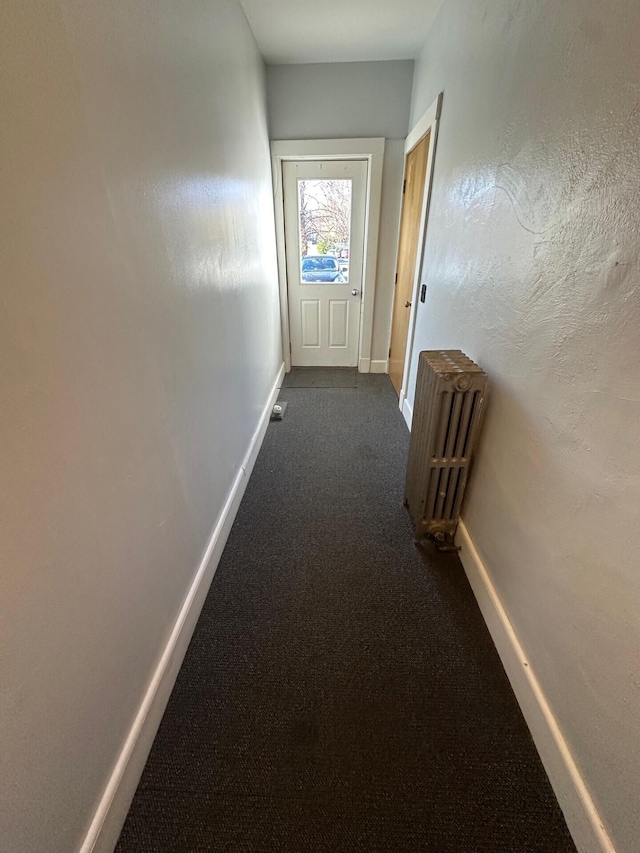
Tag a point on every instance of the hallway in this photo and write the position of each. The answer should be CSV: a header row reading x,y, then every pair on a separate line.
x,y
340,692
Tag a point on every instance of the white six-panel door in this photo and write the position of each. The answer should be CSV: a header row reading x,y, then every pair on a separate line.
x,y
324,315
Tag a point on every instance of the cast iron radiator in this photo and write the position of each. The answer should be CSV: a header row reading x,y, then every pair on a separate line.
x,y
450,392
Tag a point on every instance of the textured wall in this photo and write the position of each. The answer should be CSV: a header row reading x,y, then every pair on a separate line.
x,y
353,99
139,339
531,262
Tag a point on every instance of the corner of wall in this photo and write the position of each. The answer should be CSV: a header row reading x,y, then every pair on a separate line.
x,y
112,809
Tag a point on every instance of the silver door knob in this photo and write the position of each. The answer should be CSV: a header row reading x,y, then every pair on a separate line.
x,y
407,305
354,292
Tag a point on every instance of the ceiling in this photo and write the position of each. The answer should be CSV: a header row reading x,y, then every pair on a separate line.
x,y
296,31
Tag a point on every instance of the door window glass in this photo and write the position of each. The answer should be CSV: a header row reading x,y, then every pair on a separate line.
x,y
325,230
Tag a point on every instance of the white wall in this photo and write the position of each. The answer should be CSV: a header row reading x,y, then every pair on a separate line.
x,y
139,339
532,269
353,99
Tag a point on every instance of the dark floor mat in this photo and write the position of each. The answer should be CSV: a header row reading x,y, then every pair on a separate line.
x,y
341,693
321,377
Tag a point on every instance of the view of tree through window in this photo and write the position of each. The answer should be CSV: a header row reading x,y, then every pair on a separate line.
x,y
325,228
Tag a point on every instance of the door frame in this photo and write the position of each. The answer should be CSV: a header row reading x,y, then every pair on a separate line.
x,y
371,150
427,123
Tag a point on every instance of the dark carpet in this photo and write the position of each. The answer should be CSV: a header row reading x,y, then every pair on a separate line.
x,y
313,377
341,691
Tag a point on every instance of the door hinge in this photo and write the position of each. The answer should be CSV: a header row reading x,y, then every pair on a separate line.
x,y
389,352
396,278
404,186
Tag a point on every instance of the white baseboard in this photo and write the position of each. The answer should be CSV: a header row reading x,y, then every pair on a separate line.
x,y
364,365
379,366
580,812
407,412
114,804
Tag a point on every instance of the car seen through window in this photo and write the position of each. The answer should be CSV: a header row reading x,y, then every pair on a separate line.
x,y
320,269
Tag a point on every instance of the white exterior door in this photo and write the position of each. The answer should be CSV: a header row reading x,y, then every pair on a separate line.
x,y
324,216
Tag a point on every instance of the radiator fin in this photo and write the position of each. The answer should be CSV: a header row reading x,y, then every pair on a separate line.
x,y
450,392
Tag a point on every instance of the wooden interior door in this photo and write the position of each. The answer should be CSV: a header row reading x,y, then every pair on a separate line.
x,y
412,203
